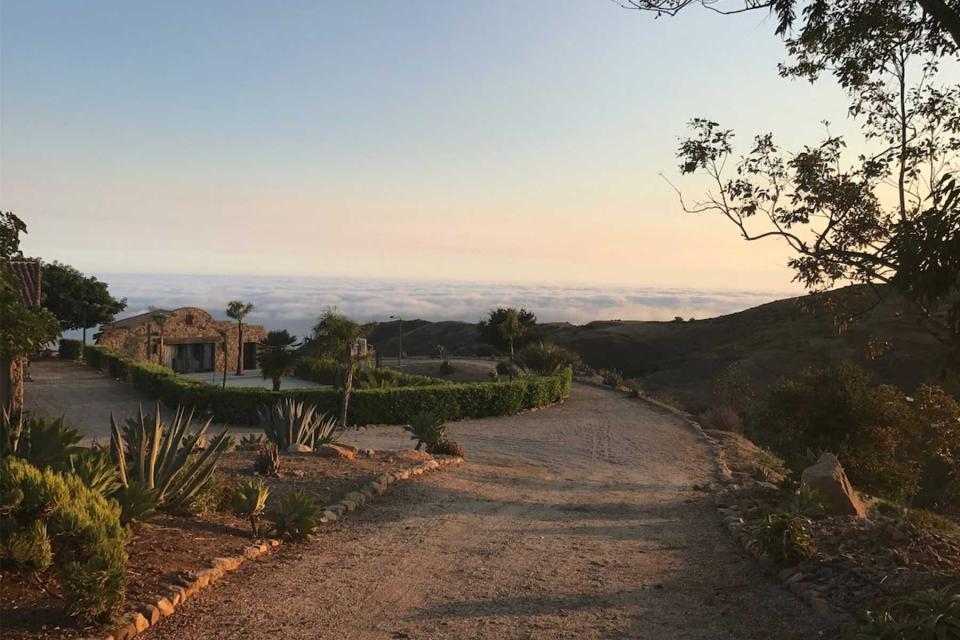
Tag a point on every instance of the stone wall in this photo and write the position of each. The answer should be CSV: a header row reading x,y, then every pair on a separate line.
x,y
186,325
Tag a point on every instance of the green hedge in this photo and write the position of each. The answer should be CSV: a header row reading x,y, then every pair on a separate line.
x,y
70,349
393,405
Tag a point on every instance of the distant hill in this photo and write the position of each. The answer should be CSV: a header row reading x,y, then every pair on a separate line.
x,y
681,359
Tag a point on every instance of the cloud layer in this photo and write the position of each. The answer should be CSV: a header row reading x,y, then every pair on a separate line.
x,y
294,303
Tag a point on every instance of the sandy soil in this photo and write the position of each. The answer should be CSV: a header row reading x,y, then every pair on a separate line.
x,y
577,521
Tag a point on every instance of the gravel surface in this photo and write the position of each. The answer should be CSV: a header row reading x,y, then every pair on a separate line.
x,y
577,521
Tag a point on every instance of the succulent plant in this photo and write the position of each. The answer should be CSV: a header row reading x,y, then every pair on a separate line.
x,y
267,462
294,516
427,429
97,470
249,501
296,423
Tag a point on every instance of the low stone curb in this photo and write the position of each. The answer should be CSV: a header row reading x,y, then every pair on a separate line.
x,y
791,577
190,584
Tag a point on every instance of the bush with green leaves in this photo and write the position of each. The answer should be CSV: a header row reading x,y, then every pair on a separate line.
x,y
251,442
891,445
43,443
933,614
164,457
289,423
138,502
250,501
48,519
546,359
446,368
242,405
612,378
70,349
294,516
783,538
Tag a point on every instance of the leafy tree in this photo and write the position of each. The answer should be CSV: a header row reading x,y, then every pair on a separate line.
x,y
78,301
238,310
336,337
23,329
277,356
833,211
932,20
508,329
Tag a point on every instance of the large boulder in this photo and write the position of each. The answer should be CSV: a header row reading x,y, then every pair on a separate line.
x,y
828,479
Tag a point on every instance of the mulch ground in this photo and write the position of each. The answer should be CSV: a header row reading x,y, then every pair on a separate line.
x,y
860,563
172,544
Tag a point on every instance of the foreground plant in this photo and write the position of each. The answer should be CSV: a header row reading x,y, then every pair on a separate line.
x,y
96,469
925,615
51,520
267,462
294,516
249,501
43,443
161,456
783,538
291,424
431,433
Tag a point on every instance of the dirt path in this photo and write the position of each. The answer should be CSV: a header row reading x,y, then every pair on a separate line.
x,y
573,522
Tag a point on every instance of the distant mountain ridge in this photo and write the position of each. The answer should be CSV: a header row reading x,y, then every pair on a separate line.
x,y
681,359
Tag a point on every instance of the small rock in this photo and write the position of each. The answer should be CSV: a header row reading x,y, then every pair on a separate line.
x,y
140,623
165,607
299,448
336,451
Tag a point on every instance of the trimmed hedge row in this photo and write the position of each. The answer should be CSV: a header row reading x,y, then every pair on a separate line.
x,y
240,405
69,349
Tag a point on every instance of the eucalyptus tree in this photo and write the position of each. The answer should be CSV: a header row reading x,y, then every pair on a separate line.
x,y
78,301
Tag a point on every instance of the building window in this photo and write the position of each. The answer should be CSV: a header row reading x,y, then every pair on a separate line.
x,y
188,320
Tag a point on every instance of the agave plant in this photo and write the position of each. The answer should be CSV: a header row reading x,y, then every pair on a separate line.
x,y
42,443
427,429
96,469
249,501
251,442
290,423
327,431
138,502
294,516
161,456
267,462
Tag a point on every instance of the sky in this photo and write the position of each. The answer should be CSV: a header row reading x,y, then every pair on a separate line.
x,y
497,141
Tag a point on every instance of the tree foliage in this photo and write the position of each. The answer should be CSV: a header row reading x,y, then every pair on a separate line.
x,y
23,329
508,328
277,357
78,301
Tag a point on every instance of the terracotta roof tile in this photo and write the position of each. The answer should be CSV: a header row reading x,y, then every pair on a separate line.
x,y
29,273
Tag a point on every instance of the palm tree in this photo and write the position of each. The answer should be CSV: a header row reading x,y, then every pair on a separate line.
x,y
337,337
238,310
508,328
277,357
160,317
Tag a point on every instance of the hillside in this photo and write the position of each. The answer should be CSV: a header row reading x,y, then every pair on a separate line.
x,y
681,359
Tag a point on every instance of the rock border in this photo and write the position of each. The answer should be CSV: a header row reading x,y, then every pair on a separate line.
x,y
792,578
185,587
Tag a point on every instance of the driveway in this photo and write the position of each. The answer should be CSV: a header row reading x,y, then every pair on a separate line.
x,y
578,521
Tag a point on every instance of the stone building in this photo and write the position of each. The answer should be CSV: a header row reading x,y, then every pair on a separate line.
x,y
27,272
188,340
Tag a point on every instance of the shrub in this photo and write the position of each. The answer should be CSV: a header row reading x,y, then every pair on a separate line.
x,y
930,521
612,378
251,442
53,519
162,456
294,516
546,359
783,537
721,418
389,378
240,406
449,448
446,368
249,501
925,615
70,349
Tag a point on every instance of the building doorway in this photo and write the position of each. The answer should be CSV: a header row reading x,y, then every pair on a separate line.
x,y
249,355
196,357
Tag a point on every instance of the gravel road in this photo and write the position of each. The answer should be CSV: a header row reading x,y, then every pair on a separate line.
x,y
577,521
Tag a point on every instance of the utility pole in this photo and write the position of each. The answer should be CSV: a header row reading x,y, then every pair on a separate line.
x,y
399,339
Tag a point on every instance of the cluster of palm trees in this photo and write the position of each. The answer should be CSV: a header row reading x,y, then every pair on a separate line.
x,y
335,337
